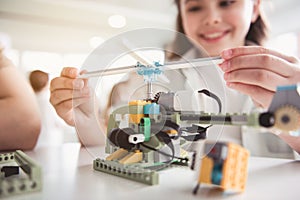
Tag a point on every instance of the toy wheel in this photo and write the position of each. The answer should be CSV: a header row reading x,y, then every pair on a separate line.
x,y
266,119
287,118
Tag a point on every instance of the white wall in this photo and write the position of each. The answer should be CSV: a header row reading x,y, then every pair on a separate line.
x,y
283,15
67,26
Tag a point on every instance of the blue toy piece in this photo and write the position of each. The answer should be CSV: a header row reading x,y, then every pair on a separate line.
x,y
149,72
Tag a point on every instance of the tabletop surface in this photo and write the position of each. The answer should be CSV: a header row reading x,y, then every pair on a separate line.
x,y
68,174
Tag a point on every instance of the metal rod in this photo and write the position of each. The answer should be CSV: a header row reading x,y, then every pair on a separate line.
x,y
149,90
199,62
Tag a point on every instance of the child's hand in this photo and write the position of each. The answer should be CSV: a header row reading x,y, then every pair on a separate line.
x,y
67,93
257,71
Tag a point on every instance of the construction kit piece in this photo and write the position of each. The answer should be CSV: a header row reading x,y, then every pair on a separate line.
x,y
154,131
284,111
14,181
225,165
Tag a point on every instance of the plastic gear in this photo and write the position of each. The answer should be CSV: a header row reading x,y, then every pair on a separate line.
x,y
287,118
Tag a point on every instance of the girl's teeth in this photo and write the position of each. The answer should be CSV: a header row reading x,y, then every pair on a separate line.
x,y
213,35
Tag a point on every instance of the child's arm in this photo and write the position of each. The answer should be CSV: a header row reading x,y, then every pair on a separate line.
x,y
19,117
72,100
257,71
292,141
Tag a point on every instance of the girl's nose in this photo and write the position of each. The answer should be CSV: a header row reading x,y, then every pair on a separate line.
x,y
212,17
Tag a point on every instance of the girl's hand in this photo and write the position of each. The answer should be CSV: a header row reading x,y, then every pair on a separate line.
x,y
71,98
257,71
68,93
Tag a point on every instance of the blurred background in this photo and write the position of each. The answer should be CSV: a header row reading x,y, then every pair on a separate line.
x,y
51,34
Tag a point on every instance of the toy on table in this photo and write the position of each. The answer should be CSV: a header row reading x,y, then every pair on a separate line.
x,y
225,166
153,135
19,174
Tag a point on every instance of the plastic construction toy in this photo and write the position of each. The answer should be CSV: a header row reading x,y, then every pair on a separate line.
x,y
19,174
153,133
153,136
150,141
225,165
284,111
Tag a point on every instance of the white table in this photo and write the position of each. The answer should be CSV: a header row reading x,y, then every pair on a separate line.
x,y
68,174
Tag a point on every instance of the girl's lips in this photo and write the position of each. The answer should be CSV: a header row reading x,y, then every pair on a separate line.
x,y
214,36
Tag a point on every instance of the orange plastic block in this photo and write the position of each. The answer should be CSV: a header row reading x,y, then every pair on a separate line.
x,y
135,118
171,132
138,103
235,168
206,170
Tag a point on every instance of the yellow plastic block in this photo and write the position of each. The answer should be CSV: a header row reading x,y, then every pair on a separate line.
x,y
138,103
136,109
120,153
206,170
135,118
133,157
171,132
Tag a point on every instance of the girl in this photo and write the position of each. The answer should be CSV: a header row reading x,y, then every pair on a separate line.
x,y
234,29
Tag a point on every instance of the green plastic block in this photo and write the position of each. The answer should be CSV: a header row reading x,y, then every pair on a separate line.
x,y
14,185
145,128
133,172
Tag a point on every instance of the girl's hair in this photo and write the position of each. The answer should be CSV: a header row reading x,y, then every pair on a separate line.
x,y
38,80
257,33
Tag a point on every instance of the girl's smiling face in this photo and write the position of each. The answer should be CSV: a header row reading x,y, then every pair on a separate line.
x,y
216,25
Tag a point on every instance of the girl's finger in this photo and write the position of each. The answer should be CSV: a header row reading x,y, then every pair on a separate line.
x,y
255,50
59,96
260,95
261,78
70,72
59,83
261,61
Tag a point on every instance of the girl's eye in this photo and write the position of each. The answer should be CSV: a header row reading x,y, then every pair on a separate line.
x,y
226,3
194,9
